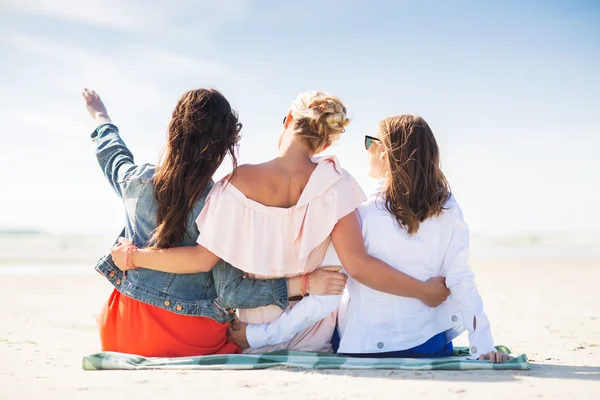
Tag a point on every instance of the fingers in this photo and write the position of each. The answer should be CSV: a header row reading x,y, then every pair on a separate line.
x,y
335,290
439,279
495,357
333,268
336,277
446,294
124,241
85,95
90,95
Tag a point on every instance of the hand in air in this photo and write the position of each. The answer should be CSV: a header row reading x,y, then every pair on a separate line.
x,y
95,107
327,281
119,252
436,291
237,333
495,357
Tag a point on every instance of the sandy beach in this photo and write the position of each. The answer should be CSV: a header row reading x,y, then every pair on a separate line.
x,y
549,309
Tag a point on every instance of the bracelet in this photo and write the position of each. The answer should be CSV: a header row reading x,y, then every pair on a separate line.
x,y
304,286
307,287
130,250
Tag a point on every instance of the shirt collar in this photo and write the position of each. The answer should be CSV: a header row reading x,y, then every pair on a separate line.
x,y
377,189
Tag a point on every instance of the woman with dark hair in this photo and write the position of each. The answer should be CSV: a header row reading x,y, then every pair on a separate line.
x,y
154,313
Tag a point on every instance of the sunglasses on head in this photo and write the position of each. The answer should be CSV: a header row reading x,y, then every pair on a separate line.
x,y
369,140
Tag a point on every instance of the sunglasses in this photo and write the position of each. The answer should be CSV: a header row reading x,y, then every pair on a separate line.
x,y
369,141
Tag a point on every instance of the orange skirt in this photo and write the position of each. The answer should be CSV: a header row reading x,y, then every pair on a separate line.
x,y
129,326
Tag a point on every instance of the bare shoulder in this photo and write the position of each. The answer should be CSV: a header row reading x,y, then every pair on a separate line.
x,y
248,178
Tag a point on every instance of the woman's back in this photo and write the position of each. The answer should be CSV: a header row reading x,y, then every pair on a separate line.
x,y
412,222
280,227
374,321
272,184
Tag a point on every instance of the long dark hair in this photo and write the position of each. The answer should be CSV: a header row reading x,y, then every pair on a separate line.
x,y
416,188
203,130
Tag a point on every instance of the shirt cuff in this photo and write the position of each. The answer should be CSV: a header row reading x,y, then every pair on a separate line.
x,y
101,128
477,350
256,335
481,342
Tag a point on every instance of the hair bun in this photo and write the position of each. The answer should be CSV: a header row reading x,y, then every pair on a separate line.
x,y
320,118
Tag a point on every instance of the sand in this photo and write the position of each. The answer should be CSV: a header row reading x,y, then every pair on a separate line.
x,y
549,309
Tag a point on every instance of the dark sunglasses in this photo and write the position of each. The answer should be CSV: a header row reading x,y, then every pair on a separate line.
x,y
369,140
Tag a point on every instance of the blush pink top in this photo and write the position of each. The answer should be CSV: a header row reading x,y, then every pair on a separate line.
x,y
274,242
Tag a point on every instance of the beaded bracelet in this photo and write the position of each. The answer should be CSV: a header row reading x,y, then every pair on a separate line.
x,y
130,250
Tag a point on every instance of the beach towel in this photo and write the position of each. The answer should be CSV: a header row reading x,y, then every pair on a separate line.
x,y
296,359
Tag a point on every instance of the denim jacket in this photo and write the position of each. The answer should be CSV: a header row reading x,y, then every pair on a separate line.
x,y
211,294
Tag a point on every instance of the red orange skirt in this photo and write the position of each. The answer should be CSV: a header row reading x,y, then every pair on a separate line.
x,y
130,326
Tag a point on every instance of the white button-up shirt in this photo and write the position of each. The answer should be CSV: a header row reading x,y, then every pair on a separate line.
x,y
372,321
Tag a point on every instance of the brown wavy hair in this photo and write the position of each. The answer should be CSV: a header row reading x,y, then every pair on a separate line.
x,y
203,130
416,188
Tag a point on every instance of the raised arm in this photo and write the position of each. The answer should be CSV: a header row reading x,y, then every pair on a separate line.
x,y
114,157
372,272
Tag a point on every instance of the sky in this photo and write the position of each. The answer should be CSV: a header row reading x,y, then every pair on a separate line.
x,y
511,90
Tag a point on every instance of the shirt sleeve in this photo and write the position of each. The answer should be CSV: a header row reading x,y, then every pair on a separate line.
x,y
114,157
235,290
461,282
304,314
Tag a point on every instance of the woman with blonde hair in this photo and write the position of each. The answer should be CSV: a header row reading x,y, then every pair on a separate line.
x,y
286,217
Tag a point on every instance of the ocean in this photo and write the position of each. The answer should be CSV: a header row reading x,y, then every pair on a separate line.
x,y
76,254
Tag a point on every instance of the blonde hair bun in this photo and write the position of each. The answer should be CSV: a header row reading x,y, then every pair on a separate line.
x,y
319,119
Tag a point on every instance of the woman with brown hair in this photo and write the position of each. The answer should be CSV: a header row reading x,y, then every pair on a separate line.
x,y
412,221
286,217
154,313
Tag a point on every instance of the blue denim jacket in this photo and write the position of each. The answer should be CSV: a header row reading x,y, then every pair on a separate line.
x,y
213,294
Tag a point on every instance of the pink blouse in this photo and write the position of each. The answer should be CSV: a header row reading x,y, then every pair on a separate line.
x,y
274,242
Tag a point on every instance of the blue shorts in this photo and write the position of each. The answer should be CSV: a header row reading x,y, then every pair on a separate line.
x,y
437,346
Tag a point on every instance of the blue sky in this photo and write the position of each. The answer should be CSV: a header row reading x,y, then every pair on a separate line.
x,y
511,90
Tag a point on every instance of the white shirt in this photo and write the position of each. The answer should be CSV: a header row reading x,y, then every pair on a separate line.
x,y
371,321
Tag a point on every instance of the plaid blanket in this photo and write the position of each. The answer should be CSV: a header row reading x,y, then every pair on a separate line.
x,y
296,359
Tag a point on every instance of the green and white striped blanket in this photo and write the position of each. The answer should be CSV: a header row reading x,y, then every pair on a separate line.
x,y
295,359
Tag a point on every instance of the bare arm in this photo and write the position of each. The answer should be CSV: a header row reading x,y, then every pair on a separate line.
x,y
176,260
376,274
195,259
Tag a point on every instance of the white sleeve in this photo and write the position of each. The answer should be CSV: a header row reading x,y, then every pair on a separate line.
x,y
461,282
305,313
